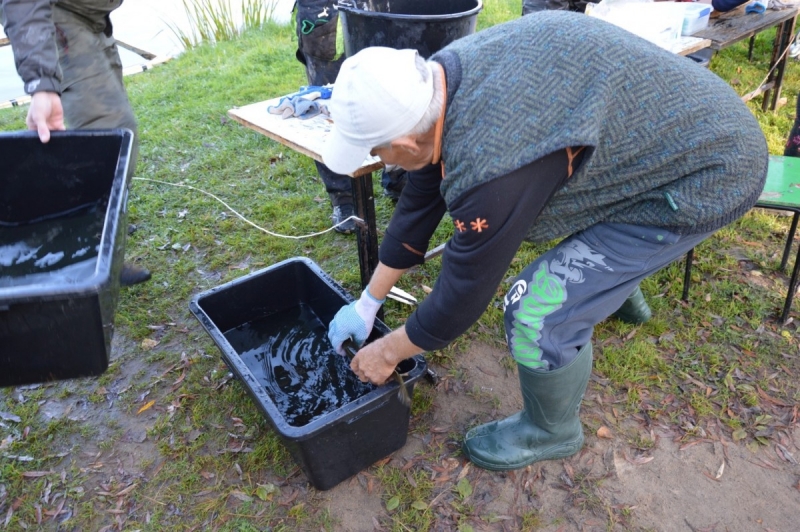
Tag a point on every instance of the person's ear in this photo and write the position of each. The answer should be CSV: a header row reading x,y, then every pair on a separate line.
x,y
407,144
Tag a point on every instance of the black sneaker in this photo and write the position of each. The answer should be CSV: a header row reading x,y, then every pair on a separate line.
x,y
342,213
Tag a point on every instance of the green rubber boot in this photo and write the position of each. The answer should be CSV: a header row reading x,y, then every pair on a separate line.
x,y
635,309
547,428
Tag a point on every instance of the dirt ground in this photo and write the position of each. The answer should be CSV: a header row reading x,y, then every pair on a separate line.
x,y
709,484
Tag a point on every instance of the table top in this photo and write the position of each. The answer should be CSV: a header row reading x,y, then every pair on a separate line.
x,y
736,25
305,136
687,44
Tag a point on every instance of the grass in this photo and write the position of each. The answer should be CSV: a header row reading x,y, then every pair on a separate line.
x,y
212,21
720,358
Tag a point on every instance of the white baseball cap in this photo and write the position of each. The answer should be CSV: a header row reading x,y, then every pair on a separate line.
x,y
379,96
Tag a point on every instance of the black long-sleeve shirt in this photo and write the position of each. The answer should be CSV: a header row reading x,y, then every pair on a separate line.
x,y
491,222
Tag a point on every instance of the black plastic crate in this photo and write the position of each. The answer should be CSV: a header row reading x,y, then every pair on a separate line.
x,y
56,322
336,445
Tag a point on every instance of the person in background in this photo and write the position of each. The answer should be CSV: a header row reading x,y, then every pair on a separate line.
x,y
67,58
792,148
316,49
603,149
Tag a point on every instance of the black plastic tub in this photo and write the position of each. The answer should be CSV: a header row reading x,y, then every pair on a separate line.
x,y
424,25
62,237
336,444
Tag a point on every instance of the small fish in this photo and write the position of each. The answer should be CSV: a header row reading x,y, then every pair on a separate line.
x,y
351,350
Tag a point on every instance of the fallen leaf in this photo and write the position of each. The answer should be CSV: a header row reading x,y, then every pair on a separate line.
x,y
427,289
146,407
766,397
127,490
5,416
639,460
393,503
604,432
242,496
419,505
148,344
464,488
180,379
784,453
36,474
739,434
463,472
265,492
720,470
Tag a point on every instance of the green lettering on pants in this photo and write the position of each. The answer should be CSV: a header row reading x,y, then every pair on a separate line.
x,y
546,294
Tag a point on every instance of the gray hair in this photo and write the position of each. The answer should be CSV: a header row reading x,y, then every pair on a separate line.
x,y
434,111
428,120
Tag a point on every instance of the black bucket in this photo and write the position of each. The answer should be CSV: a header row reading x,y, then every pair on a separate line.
x,y
63,221
424,25
336,444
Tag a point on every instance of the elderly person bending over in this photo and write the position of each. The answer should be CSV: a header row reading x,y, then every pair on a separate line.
x,y
634,154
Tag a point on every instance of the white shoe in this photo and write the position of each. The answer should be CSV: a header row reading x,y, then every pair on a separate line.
x,y
794,49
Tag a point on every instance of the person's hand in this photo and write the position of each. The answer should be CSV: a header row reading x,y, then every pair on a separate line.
x,y
45,114
376,361
373,364
354,321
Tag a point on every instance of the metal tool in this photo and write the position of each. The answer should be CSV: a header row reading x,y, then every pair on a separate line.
x,y
402,296
351,349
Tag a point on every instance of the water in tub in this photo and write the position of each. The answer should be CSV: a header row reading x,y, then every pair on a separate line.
x,y
290,355
60,249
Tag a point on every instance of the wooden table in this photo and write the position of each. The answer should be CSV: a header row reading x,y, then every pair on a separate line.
x,y
689,44
734,26
307,137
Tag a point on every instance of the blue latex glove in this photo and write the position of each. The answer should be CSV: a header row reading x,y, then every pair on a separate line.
x,y
758,6
354,321
312,92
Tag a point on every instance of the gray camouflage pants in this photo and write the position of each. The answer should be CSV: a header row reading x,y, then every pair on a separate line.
x,y
93,93
554,304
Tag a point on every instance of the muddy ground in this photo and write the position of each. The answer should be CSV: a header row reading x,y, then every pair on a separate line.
x,y
708,483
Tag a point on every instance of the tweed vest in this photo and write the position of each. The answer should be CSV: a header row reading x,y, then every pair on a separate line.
x,y
670,144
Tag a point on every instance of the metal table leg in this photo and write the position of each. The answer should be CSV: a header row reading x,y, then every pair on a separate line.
x,y
777,64
787,306
788,247
687,274
367,234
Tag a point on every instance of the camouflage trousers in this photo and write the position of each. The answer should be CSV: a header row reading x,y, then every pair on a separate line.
x,y
554,304
93,93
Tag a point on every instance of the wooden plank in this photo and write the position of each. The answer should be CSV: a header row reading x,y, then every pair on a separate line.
x,y
304,136
138,51
759,91
734,26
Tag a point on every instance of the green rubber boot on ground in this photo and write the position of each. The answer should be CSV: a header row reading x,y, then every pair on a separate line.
x,y
635,309
547,428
